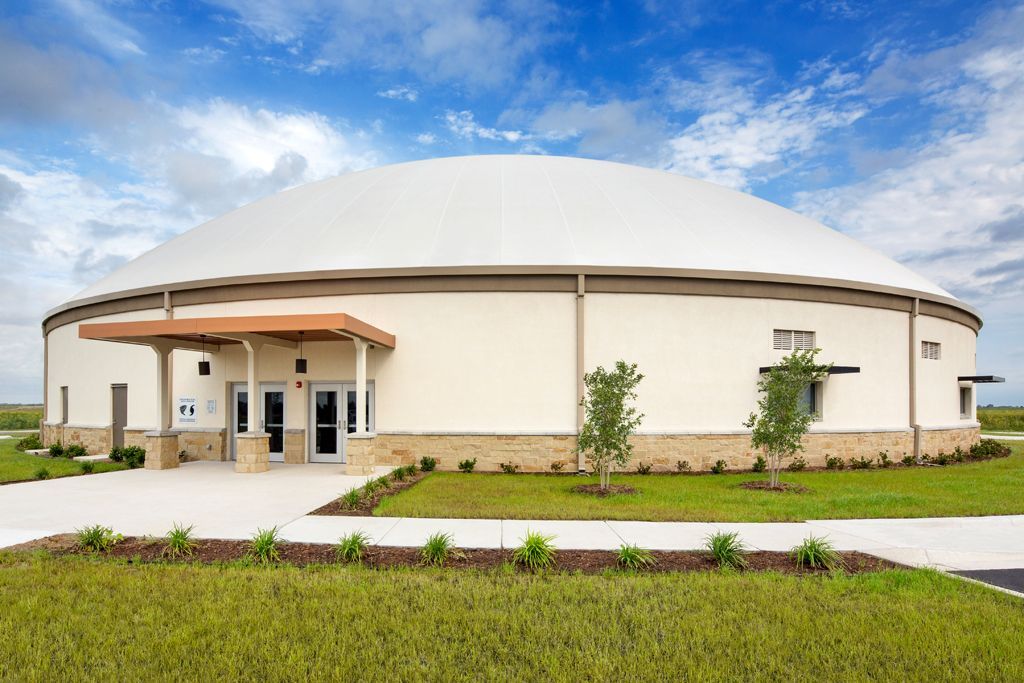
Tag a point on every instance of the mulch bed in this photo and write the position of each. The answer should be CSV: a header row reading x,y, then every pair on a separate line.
x,y
596,490
148,550
366,505
782,487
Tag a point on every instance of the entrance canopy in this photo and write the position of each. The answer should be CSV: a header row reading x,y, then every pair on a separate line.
x,y
276,330
253,332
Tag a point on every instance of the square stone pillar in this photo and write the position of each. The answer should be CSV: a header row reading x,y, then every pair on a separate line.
x,y
161,450
359,453
295,446
252,452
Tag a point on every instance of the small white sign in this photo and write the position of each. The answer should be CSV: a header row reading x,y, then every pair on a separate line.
x,y
211,406
186,410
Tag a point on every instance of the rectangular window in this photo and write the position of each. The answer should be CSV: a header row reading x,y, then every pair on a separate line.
x,y
966,403
811,400
63,405
931,350
790,340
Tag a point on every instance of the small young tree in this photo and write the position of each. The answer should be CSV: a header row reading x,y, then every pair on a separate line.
x,y
610,421
781,421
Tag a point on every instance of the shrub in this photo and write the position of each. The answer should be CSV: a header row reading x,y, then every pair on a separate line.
x,y
369,488
75,450
834,462
557,466
352,548
29,443
727,549
134,456
351,499
988,448
682,465
398,474
427,464
438,549
467,465
797,464
263,546
816,552
87,466
719,467
116,454
634,557
536,551
609,418
642,468
56,450
509,468
759,464
179,541
908,460
412,469
861,463
42,473
883,459
942,459
779,425
383,482
97,538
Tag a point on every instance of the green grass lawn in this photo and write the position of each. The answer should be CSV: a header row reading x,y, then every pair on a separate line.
x,y
72,618
17,466
985,488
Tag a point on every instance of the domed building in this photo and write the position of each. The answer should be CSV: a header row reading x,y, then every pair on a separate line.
x,y
450,308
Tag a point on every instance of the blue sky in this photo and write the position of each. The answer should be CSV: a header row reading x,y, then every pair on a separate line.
x,y
123,123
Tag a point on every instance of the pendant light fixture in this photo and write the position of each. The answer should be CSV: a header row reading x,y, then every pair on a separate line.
x,y
300,362
204,365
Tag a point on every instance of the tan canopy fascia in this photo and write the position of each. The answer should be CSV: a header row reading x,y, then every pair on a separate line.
x,y
277,330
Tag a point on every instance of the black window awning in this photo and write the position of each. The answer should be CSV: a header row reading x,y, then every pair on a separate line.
x,y
834,370
981,379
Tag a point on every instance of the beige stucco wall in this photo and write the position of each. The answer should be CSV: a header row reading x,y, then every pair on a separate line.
x,y
700,356
504,363
466,361
89,367
938,396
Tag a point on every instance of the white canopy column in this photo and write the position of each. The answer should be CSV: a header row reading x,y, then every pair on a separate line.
x,y
361,346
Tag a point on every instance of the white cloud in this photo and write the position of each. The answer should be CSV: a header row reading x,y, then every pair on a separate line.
x,y
399,92
951,209
439,40
464,125
426,138
741,137
112,35
614,129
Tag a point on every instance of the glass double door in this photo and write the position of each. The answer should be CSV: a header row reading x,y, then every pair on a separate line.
x,y
332,415
272,411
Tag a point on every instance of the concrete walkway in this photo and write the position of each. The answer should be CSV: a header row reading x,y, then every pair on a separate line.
x,y
955,543
222,504
1004,437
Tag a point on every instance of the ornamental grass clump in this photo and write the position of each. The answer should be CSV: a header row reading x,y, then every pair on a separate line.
x,y
817,553
179,541
634,557
263,546
536,551
97,538
351,499
42,473
439,548
727,549
87,466
353,547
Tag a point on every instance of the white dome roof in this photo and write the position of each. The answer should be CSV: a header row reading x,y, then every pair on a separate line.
x,y
509,211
